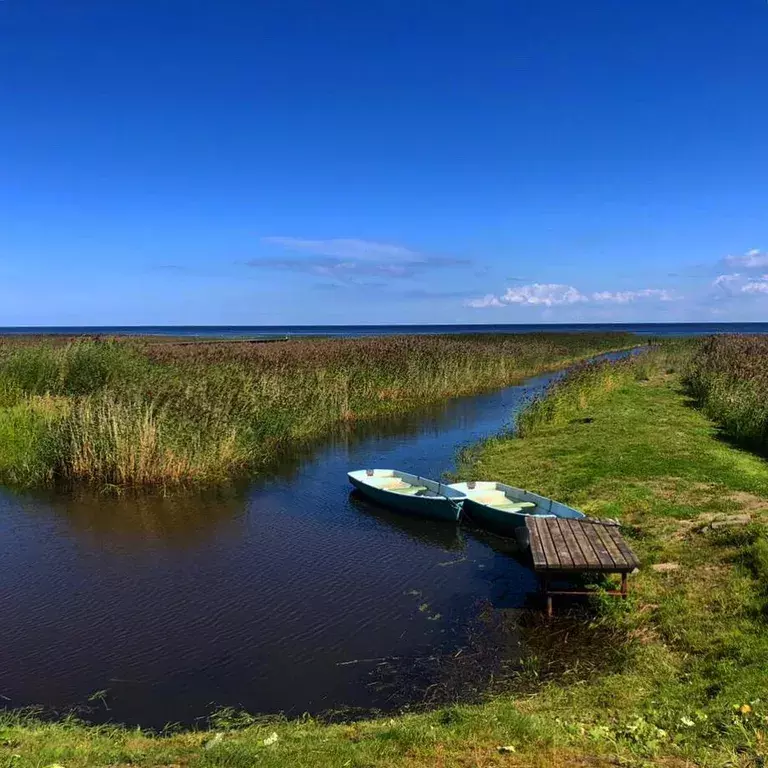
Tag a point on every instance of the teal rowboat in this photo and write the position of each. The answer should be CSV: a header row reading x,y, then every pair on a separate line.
x,y
409,493
503,509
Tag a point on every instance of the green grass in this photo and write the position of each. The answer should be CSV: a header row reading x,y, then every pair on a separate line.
x,y
587,383
143,412
675,676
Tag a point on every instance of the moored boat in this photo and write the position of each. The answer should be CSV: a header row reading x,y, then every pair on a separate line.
x,y
503,509
409,493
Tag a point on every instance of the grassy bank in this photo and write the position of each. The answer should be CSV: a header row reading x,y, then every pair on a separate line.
x,y
587,384
153,412
676,676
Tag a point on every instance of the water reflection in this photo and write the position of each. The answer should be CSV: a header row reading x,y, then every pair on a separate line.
x,y
446,536
430,420
136,520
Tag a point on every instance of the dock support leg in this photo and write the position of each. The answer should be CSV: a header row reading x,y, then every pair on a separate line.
x,y
624,586
547,595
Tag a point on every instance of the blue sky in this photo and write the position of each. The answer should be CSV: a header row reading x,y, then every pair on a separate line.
x,y
389,161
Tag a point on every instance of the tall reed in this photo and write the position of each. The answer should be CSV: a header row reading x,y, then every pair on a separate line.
x,y
152,412
729,378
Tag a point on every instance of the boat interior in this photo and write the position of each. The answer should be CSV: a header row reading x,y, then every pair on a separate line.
x,y
398,485
396,482
499,500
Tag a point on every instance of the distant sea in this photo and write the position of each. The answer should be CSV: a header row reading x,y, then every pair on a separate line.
x,y
280,331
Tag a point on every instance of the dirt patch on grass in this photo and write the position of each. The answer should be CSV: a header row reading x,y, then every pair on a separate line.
x,y
749,503
718,506
700,523
549,758
682,491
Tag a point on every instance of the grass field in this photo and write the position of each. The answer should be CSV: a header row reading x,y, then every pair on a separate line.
x,y
142,412
676,676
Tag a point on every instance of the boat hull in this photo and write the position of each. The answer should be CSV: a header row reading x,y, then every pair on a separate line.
x,y
428,507
507,522
494,520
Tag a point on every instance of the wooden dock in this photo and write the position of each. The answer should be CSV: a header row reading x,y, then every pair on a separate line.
x,y
562,547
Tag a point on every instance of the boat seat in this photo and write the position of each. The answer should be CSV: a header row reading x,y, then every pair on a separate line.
x,y
525,504
489,497
510,507
411,490
387,483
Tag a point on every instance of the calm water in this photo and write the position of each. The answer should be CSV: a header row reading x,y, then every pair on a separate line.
x,y
255,598
236,331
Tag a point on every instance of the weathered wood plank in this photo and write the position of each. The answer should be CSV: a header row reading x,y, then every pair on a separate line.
x,y
624,548
604,556
537,548
578,554
587,551
574,550
561,545
610,545
550,552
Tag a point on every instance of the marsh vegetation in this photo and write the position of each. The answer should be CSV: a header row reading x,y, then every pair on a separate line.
x,y
729,378
142,412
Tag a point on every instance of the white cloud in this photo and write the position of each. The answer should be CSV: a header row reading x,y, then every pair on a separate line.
x,y
723,281
754,259
625,297
489,300
737,283
350,260
557,294
756,286
546,294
